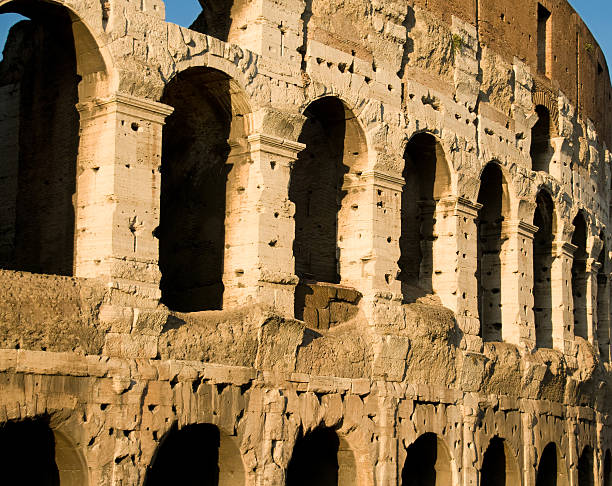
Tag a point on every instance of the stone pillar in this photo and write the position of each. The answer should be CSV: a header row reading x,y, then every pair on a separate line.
x,y
518,324
592,272
454,258
259,264
561,298
369,237
118,192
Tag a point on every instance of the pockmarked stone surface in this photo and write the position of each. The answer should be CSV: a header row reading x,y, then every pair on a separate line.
x,y
331,242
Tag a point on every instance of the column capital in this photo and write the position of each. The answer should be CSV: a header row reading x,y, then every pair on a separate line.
x,y
520,228
465,207
384,179
563,248
274,145
126,104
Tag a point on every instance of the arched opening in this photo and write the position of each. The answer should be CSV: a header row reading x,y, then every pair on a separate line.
x,y
327,208
203,142
323,458
493,197
499,467
607,470
427,463
39,125
579,276
603,302
550,468
427,180
227,20
585,468
50,63
542,269
542,151
196,455
30,453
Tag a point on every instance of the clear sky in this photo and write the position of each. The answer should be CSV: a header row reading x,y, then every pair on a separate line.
x,y
596,13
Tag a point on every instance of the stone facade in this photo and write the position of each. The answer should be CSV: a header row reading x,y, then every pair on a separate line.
x,y
305,242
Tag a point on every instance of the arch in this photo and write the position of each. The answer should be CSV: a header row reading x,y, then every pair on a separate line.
x,y
70,462
551,471
428,463
499,467
586,473
542,151
494,197
203,167
93,62
607,468
603,301
40,79
196,454
327,204
544,219
427,179
321,457
579,276
32,453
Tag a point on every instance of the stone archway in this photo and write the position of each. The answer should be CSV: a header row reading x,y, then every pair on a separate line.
x,y
52,63
428,463
198,455
204,174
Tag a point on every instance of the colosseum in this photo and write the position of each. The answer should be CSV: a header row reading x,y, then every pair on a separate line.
x,y
305,242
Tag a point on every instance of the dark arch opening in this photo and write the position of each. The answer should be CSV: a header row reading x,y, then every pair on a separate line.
x,y
603,302
585,468
542,269
195,455
196,174
427,179
498,467
489,266
316,190
607,471
27,453
427,463
548,468
542,151
39,127
321,457
328,212
579,276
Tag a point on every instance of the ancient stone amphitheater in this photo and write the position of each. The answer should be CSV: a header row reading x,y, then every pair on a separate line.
x,y
305,242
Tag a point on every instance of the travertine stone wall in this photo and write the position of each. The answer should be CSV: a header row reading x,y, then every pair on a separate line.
x,y
372,233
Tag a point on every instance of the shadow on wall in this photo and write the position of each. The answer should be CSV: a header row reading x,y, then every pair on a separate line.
x,y
39,124
195,174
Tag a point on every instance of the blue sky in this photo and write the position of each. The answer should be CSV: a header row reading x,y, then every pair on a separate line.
x,y
596,13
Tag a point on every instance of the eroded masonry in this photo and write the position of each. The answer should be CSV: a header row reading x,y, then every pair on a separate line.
x,y
341,243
